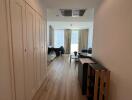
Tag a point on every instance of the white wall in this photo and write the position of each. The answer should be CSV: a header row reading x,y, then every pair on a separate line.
x,y
113,45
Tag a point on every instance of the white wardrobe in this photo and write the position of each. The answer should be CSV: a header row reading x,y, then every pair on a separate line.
x,y
23,49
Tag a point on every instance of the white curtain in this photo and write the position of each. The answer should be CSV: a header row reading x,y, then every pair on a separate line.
x,y
83,39
67,40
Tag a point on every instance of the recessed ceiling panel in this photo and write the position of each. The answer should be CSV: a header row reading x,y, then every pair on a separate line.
x,y
72,12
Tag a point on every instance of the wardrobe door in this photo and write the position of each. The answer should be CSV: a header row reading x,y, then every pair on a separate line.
x,y
30,68
5,76
42,40
17,22
45,44
38,50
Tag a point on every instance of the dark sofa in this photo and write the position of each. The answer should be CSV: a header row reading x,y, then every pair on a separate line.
x,y
54,52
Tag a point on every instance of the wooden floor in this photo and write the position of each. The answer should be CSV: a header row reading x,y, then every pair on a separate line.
x,y
61,82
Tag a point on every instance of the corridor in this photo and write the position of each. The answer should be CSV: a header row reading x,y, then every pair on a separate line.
x,y
61,82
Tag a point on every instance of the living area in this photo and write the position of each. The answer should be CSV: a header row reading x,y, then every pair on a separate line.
x,y
69,32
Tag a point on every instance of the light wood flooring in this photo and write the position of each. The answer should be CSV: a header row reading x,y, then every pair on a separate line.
x,y
61,82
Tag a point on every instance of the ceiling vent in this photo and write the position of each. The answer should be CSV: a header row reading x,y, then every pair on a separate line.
x,y
72,13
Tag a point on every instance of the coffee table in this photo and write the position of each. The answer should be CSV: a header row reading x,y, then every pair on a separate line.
x,y
72,56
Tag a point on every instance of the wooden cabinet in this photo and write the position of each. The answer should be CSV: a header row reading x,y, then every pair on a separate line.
x,y
98,82
22,50
82,73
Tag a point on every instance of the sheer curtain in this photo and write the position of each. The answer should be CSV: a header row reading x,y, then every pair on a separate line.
x,y
74,40
58,38
83,39
67,40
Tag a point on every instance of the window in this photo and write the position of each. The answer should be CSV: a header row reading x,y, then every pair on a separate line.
x,y
74,40
58,38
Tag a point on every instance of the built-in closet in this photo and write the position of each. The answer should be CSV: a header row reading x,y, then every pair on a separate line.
x,y
23,49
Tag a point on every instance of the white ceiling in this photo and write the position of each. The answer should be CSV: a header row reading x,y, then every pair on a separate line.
x,y
60,22
55,4
55,15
